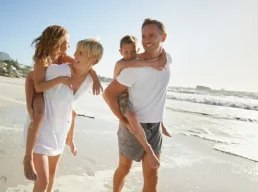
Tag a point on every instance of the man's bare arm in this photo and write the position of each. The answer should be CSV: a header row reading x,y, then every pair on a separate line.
x,y
109,95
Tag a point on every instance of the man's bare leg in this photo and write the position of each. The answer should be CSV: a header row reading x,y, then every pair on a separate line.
x,y
70,135
150,175
140,135
121,172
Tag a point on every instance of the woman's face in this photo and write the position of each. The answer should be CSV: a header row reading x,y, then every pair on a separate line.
x,y
83,62
65,45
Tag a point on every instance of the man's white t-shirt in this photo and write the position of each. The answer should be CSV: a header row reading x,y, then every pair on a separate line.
x,y
147,89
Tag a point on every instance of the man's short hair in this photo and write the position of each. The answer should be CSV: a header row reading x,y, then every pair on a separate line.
x,y
159,24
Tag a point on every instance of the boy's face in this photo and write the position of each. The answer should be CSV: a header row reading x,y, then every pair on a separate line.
x,y
129,51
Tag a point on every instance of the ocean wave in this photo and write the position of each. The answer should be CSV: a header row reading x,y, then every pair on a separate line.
x,y
209,137
234,146
215,116
253,105
242,151
239,94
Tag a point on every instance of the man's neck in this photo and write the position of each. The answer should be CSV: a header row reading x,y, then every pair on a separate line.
x,y
152,55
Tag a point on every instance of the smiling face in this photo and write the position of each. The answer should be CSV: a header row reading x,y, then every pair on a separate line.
x,y
88,53
152,38
83,61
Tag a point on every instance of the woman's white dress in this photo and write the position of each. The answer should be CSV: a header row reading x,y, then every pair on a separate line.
x,y
59,102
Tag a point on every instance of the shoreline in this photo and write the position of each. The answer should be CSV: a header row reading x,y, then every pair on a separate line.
x,y
188,163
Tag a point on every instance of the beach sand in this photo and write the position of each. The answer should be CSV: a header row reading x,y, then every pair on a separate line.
x,y
188,164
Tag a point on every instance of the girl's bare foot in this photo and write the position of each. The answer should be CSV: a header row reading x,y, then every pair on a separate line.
x,y
29,169
164,130
72,146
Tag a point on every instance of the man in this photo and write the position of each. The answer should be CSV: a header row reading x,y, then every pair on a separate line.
x,y
147,89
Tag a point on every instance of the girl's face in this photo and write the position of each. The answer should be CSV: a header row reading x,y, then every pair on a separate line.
x,y
65,45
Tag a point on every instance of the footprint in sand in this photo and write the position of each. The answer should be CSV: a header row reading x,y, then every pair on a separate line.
x,y
3,179
108,186
1,154
90,174
92,161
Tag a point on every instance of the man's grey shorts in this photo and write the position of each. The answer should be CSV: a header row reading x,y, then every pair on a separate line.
x,y
130,147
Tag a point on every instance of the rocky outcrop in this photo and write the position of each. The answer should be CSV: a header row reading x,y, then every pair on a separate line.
x,y
10,68
5,56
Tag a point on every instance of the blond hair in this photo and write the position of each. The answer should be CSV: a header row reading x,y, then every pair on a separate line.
x,y
48,42
127,40
159,24
93,48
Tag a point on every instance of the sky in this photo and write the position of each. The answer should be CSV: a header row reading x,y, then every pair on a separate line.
x,y
212,42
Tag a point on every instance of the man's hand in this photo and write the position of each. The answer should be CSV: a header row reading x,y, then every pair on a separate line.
x,y
163,59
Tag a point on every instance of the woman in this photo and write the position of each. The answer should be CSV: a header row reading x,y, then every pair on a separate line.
x,y
48,142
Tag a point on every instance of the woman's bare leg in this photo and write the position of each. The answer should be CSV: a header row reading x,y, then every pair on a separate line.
x,y
53,164
140,135
41,164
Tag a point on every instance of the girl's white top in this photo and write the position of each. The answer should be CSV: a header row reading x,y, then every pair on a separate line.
x,y
59,102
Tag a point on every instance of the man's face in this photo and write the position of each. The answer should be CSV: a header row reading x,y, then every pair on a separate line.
x,y
152,38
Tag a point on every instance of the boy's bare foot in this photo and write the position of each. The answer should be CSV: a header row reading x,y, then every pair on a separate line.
x,y
29,169
164,130
72,146
153,160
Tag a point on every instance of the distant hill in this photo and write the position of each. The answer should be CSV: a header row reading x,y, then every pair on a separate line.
x,y
11,68
5,56
104,79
